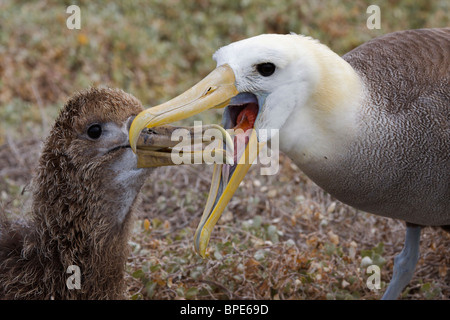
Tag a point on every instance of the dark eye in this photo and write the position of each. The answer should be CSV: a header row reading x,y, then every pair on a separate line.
x,y
266,69
94,131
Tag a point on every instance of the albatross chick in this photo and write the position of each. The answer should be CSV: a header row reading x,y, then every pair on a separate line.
x,y
83,195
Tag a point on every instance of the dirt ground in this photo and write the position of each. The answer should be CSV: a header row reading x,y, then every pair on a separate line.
x,y
281,237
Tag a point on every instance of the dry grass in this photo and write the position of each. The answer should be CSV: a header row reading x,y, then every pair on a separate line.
x,y
281,237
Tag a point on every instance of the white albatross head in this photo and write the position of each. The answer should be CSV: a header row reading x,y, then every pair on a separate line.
x,y
279,70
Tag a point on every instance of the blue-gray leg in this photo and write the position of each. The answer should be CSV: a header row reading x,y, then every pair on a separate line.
x,y
404,263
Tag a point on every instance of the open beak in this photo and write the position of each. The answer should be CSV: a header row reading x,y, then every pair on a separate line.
x,y
217,90
156,148
214,91
225,181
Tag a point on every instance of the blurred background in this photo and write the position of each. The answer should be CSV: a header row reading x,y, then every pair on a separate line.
x,y
281,237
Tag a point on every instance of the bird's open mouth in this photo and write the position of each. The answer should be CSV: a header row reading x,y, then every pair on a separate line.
x,y
239,119
217,90
157,146
239,148
240,116
161,146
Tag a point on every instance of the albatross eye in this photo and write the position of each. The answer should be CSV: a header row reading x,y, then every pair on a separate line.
x,y
94,131
266,69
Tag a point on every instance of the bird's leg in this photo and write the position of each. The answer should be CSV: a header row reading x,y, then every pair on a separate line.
x,y
404,263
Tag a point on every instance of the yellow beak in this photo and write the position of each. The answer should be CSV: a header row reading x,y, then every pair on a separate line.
x,y
224,184
214,91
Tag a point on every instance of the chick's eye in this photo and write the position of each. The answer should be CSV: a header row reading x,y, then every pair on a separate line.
x,y
266,69
94,131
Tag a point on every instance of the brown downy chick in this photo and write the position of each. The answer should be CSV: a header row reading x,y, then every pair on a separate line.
x,y
84,192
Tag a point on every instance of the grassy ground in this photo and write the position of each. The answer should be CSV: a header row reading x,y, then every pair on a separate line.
x,y
281,236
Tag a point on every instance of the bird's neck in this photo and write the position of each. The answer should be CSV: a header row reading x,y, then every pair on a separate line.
x,y
322,127
71,247
70,234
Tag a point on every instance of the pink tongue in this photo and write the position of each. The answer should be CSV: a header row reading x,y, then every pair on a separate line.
x,y
240,142
246,118
245,121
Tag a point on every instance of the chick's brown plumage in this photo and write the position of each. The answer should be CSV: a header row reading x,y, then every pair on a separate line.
x,y
84,191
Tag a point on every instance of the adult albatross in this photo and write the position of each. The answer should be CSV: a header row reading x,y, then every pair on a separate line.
x,y
371,127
